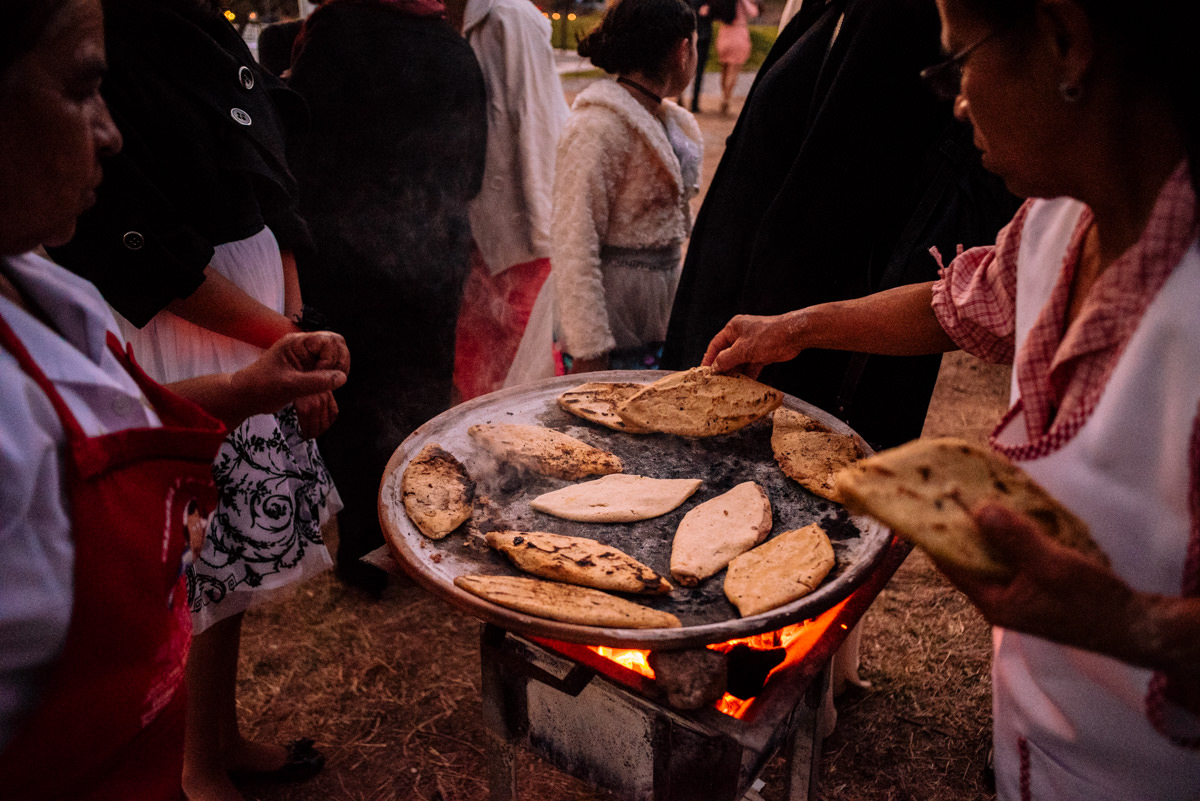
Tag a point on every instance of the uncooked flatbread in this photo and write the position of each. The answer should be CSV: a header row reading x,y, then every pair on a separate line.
x,y
566,602
544,450
577,560
437,492
617,498
700,403
782,569
925,491
809,453
597,401
717,530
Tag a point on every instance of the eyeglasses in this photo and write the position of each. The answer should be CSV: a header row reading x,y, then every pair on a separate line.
x,y
945,77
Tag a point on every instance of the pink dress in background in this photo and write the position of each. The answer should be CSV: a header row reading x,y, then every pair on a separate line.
x,y
733,38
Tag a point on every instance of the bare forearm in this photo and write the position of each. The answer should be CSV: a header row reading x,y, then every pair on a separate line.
x,y
220,306
896,322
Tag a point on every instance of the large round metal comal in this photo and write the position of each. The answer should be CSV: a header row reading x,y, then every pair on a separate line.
x,y
503,502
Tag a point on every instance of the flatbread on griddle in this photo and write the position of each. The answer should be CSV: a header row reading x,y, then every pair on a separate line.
x,y
544,450
719,529
565,602
597,401
926,490
809,453
700,403
437,492
781,570
577,560
617,498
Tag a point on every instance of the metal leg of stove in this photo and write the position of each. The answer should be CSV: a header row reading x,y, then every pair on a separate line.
x,y
502,768
804,742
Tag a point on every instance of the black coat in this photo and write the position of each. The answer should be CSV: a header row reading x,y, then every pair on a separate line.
x,y
395,151
840,174
204,156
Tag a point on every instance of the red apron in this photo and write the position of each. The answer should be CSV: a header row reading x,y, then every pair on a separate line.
x,y
109,726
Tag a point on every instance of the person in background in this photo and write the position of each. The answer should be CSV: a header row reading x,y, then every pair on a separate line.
x,y
733,42
704,32
392,156
1088,109
101,469
191,241
275,44
628,165
505,326
843,170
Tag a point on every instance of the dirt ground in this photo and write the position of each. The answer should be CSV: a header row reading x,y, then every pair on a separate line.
x,y
390,689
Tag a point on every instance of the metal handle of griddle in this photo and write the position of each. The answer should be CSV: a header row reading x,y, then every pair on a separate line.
x,y
572,684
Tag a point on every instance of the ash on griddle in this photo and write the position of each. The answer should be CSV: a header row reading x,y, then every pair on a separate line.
x,y
839,526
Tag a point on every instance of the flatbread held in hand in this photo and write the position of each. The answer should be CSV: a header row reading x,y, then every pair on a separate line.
x,y
544,450
926,490
618,498
809,453
597,401
781,570
577,560
565,602
437,492
719,529
700,403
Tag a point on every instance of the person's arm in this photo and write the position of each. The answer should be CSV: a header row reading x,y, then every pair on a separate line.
x,y
896,322
295,366
222,307
1060,595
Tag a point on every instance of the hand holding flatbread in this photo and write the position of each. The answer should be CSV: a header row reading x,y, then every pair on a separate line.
x,y
719,529
544,450
782,569
809,453
700,403
437,492
565,602
927,490
617,499
577,560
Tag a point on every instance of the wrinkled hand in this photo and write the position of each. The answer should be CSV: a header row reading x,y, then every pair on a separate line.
x,y
749,343
296,366
1055,592
316,413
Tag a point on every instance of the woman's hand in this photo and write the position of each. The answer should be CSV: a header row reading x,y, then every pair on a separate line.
x,y
748,343
296,366
1061,595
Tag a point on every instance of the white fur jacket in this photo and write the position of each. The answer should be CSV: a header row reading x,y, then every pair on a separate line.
x,y
617,183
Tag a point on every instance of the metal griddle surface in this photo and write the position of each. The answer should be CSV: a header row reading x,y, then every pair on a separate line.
x,y
503,497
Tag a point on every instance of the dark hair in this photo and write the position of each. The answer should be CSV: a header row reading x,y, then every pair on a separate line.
x,y
1155,43
638,35
723,10
22,24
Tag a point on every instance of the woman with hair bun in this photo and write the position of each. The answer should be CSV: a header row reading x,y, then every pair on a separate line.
x,y
628,164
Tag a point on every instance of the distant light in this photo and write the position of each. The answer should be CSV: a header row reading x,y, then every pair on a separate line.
x,y
556,15
229,15
544,14
253,16
571,16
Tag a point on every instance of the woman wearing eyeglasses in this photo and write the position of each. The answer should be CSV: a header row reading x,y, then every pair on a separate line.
x,y
1089,110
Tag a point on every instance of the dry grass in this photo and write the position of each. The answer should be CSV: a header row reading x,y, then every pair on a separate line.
x,y
390,689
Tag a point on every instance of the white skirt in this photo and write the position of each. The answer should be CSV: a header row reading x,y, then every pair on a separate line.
x,y
274,492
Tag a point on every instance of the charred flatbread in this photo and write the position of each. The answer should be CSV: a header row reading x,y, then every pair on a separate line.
x,y
565,602
577,560
437,492
927,489
597,401
782,569
617,498
700,403
716,531
544,450
809,453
